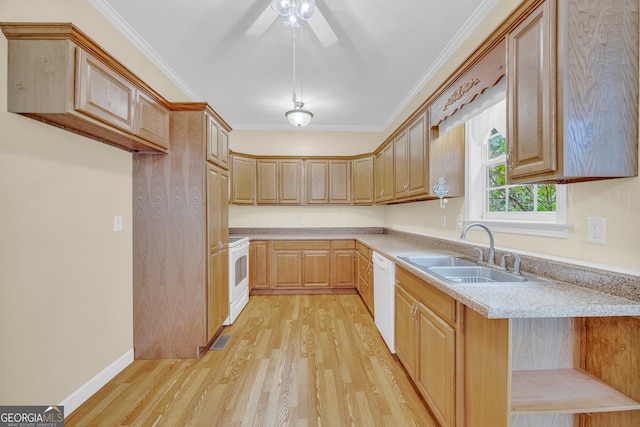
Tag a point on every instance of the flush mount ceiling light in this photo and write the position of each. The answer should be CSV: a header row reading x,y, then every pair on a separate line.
x,y
293,12
298,116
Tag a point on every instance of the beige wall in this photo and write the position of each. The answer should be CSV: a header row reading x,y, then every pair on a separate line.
x,y
65,276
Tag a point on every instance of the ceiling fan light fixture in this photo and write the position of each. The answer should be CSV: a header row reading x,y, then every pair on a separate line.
x,y
294,11
299,116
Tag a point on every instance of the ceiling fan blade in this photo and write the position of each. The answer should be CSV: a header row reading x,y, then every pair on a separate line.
x,y
322,29
262,24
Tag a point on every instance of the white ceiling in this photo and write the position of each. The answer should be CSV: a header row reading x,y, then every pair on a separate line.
x,y
386,51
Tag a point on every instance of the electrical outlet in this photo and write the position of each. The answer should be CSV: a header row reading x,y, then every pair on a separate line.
x,y
596,230
459,222
443,221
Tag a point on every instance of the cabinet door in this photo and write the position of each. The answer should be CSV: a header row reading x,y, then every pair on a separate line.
x,y
436,364
104,94
417,162
214,220
223,148
362,181
387,173
378,172
446,160
267,181
317,181
316,268
259,262
343,268
152,120
531,95
289,180
340,182
400,165
405,330
213,137
287,269
217,291
243,179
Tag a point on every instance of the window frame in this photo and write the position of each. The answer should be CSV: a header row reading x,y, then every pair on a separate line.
x,y
548,224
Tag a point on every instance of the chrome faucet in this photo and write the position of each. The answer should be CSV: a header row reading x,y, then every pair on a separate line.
x,y
492,257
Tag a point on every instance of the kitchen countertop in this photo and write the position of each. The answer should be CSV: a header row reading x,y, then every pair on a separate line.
x,y
532,300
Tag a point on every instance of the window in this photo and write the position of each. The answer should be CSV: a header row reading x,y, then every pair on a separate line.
x,y
525,209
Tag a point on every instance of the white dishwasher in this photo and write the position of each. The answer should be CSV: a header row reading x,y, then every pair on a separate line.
x,y
384,281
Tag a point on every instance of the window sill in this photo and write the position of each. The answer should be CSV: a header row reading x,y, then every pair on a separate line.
x,y
531,228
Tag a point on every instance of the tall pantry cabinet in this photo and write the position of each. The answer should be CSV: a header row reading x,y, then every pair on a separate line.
x,y
180,247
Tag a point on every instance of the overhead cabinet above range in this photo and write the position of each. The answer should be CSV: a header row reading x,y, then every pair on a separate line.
x,y
58,75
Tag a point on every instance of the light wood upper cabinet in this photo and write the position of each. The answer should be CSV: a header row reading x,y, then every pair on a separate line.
x,y
243,180
328,181
411,166
383,170
573,97
59,75
279,181
217,142
317,181
104,94
152,120
362,180
446,160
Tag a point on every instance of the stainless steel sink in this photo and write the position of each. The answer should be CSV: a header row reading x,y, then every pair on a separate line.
x,y
481,274
425,262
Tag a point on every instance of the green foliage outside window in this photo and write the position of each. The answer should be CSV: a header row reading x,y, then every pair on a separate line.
x,y
513,198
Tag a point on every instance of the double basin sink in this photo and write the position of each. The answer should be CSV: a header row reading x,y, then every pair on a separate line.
x,y
459,270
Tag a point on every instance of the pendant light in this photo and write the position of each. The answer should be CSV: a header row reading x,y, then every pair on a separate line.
x,y
298,116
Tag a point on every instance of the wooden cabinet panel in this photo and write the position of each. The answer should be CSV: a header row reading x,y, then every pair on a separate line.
x,y
279,181
218,290
267,181
363,181
302,244
287,269
340,182
531,101
290,181
152,120
405,330
217,143
410,170
103,94
436,364
317,181
383,170
316,267
343,268
243,180
446,160
563,122
259,264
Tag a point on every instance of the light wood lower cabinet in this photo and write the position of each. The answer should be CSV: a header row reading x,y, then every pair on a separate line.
x,y
365,276
425,341
306,266
259,264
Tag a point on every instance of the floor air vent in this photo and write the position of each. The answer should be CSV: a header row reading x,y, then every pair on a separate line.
x,y
220,343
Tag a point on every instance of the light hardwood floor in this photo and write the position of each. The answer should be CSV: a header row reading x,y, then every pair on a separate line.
x,y
299,360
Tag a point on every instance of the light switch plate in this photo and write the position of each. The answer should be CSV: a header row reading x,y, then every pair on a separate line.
x,y
596,230
117,224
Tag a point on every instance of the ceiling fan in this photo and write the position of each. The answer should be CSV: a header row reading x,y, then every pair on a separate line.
x,y
318,22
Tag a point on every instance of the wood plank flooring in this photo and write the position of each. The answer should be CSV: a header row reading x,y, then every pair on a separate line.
x,y
298,360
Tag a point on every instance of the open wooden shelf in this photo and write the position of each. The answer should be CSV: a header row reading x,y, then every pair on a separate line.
x,y
566,391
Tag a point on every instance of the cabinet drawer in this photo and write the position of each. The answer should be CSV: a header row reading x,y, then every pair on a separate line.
x,y
363,250
344,244
431,297
301,244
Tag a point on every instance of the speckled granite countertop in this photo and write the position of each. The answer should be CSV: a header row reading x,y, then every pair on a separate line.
x,y
533,300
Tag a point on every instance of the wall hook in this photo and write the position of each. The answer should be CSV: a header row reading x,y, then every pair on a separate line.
x,y
441,189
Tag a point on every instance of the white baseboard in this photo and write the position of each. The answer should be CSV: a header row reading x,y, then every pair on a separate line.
x,y
78,397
